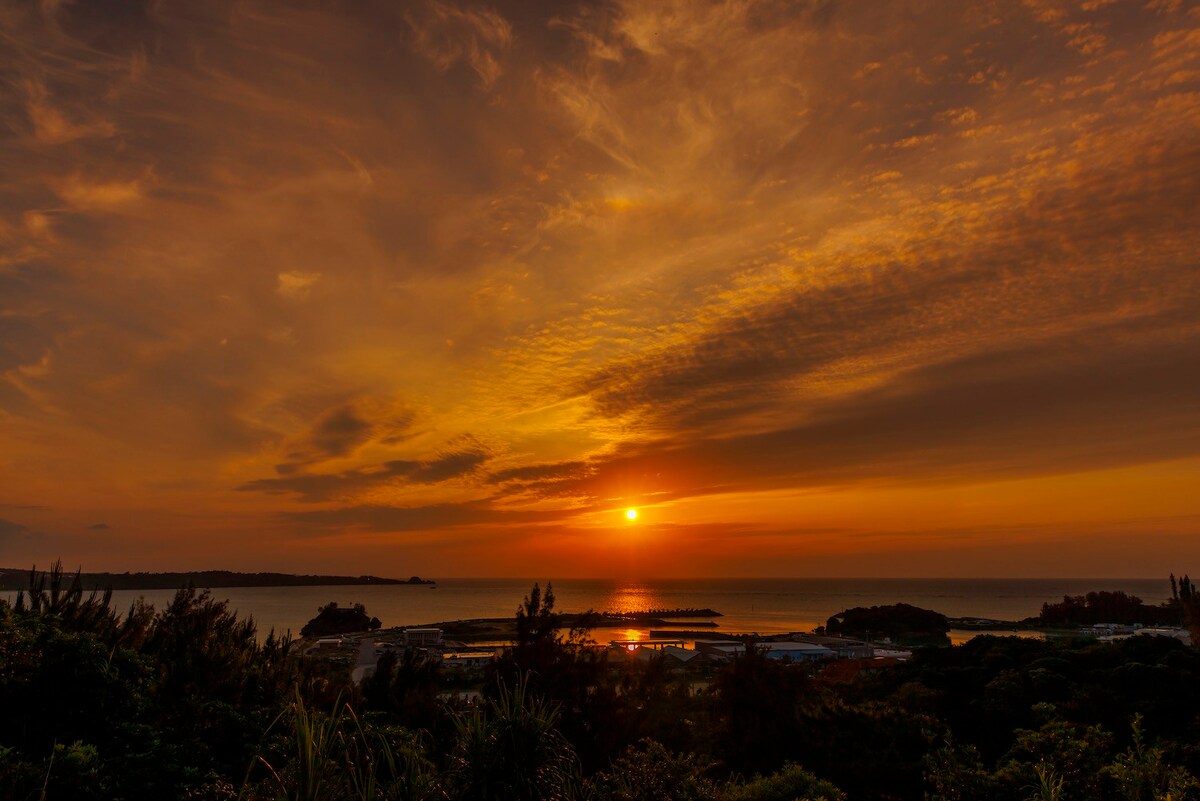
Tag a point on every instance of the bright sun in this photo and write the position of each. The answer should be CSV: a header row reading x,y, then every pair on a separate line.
x,y
631,514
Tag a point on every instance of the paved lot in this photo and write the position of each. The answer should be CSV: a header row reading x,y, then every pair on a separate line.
x,y
367,659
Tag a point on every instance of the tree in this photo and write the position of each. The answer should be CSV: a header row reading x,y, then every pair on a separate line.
x,y
332,619
406,687
955,772
551,664
1142,773
756,704
901,622
649,772
537,624
1185,596
1061,757
792,783
1102,607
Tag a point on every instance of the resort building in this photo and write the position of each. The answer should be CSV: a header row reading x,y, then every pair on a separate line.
x,y
782,651
842,647
650,645
423,638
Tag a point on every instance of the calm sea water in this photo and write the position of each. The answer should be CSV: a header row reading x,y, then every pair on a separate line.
x,y
766,606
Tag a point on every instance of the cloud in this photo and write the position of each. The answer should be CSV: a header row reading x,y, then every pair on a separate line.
x,y
14,533
661,251
395,519
324,486
296,285
50,124
446,35
92,195
1024,262
343,430
538,472
339,432
1024,412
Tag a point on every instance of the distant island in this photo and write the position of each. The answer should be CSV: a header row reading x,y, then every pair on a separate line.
x,y
15,579
332,619
904,624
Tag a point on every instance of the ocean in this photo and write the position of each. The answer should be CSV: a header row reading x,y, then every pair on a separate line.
x,y
765,606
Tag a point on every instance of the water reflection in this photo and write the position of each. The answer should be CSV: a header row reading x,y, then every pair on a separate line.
x,y
631,597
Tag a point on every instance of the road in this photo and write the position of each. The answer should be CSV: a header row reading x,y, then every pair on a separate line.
x,y
367,659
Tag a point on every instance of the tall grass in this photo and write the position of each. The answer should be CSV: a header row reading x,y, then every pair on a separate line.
x,y
1049,786
338,757
510,750
315,745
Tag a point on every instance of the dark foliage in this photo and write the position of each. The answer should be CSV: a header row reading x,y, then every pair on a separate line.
x,y
1186,599
757,712
650,772
136,706
332,619
187,703
405,687
901,623
1106,607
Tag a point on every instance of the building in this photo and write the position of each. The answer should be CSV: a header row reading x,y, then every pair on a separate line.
x,y
470,660
782,651
720,650
652,645
842,647
900,654
423,638
796,651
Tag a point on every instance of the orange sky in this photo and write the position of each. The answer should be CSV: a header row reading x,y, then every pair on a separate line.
x,y
905,288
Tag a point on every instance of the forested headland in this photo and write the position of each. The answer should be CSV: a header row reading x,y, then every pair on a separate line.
x,y
187,702
11,579
1095,608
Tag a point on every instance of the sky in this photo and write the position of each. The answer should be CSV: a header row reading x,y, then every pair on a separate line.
x,y
819,288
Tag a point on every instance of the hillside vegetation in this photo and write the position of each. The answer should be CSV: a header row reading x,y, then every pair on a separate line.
x,y
185,703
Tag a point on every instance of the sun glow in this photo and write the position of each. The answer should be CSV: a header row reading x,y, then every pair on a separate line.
x,y
631,514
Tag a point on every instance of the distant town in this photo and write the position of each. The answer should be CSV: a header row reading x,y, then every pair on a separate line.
x,y
852,641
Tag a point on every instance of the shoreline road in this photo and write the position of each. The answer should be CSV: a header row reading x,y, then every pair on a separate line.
x,y
368,658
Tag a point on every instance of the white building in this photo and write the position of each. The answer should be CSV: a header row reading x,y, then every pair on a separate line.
x,y
423,638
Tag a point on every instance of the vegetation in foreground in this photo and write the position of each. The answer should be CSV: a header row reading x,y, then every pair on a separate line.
x,y
184,702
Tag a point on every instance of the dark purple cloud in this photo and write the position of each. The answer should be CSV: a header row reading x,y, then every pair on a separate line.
x,y
325,486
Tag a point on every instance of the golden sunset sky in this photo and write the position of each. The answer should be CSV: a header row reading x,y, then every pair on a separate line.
x,y
820,288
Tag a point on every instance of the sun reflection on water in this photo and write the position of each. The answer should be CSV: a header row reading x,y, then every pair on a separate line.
x,y
631,597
